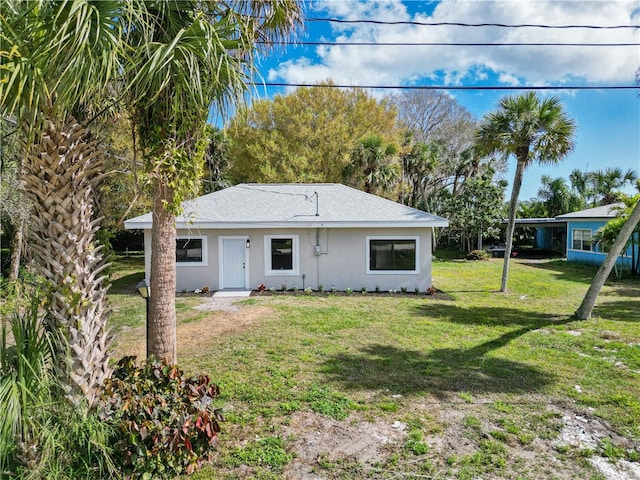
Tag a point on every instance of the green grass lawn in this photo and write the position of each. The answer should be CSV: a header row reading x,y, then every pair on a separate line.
x,y
497,372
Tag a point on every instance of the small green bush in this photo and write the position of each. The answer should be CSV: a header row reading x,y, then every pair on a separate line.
x,y
166,423
478,255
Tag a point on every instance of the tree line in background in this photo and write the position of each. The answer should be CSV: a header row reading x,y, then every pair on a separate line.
x,y
416,147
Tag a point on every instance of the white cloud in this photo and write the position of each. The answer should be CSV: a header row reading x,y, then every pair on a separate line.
x,y
540,65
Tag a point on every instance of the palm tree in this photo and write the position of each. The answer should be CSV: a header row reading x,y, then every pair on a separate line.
x,y
581,185
186,56
61,59
419,163
557,197
606,184
532,130
372,165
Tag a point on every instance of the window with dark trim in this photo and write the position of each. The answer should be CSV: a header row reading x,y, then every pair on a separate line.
x,y
189,250
582,239
392,255
281,254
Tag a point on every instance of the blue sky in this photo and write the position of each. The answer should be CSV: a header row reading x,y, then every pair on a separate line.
x,y
608,121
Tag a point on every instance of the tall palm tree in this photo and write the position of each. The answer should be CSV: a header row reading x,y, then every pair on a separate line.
x,y
531,130
58,57
186,56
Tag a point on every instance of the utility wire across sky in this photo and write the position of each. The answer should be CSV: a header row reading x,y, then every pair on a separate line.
x,y
454,87
462,24
449,44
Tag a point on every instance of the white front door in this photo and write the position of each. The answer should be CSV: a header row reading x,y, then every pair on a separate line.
x,y
233,263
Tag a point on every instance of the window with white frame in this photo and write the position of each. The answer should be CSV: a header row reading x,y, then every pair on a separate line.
x,y
392,255
191,250
581,239
281,254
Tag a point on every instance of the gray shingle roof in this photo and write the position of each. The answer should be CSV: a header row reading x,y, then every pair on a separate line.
x,y
287,205
604,211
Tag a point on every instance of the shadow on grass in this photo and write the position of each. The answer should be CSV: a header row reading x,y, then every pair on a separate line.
x,y
567,270
126,284
489,316
620,310
447,370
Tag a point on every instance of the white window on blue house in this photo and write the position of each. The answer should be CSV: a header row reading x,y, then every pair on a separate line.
x,y
392,255
191,250
281,255
582,239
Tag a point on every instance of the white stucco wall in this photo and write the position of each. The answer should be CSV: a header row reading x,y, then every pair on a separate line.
x,y
341,261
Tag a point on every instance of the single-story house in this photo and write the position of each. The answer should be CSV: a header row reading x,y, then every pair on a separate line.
x,y
581,228
299,236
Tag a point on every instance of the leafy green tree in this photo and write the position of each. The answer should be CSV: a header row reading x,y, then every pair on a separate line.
x,y
475,210
530,129
184,57
305,136
532,208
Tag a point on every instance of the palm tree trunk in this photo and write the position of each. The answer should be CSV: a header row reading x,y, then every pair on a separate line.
x,y
513,206
61,172
586,307
162,301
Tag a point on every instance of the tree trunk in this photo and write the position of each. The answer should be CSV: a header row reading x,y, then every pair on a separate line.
x,y
162,301
586,307
61,173
16,248
513,206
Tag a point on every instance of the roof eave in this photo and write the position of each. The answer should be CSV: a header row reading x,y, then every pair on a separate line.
x,y
145,225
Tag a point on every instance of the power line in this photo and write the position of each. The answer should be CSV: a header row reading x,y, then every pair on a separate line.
x,y
462,24
453,87
448,44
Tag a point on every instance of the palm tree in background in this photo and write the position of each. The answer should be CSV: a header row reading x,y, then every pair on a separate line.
x,y
372,167
531,129
557,197
59,60
601,187
606,184
187,56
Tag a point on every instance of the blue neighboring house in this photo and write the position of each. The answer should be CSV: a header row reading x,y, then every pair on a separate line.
x,y
581,227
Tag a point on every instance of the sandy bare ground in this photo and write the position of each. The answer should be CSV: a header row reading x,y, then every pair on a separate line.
x,y
315,440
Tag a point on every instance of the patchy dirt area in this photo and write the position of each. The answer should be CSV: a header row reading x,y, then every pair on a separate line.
x,y
323,448
192,336
318,440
